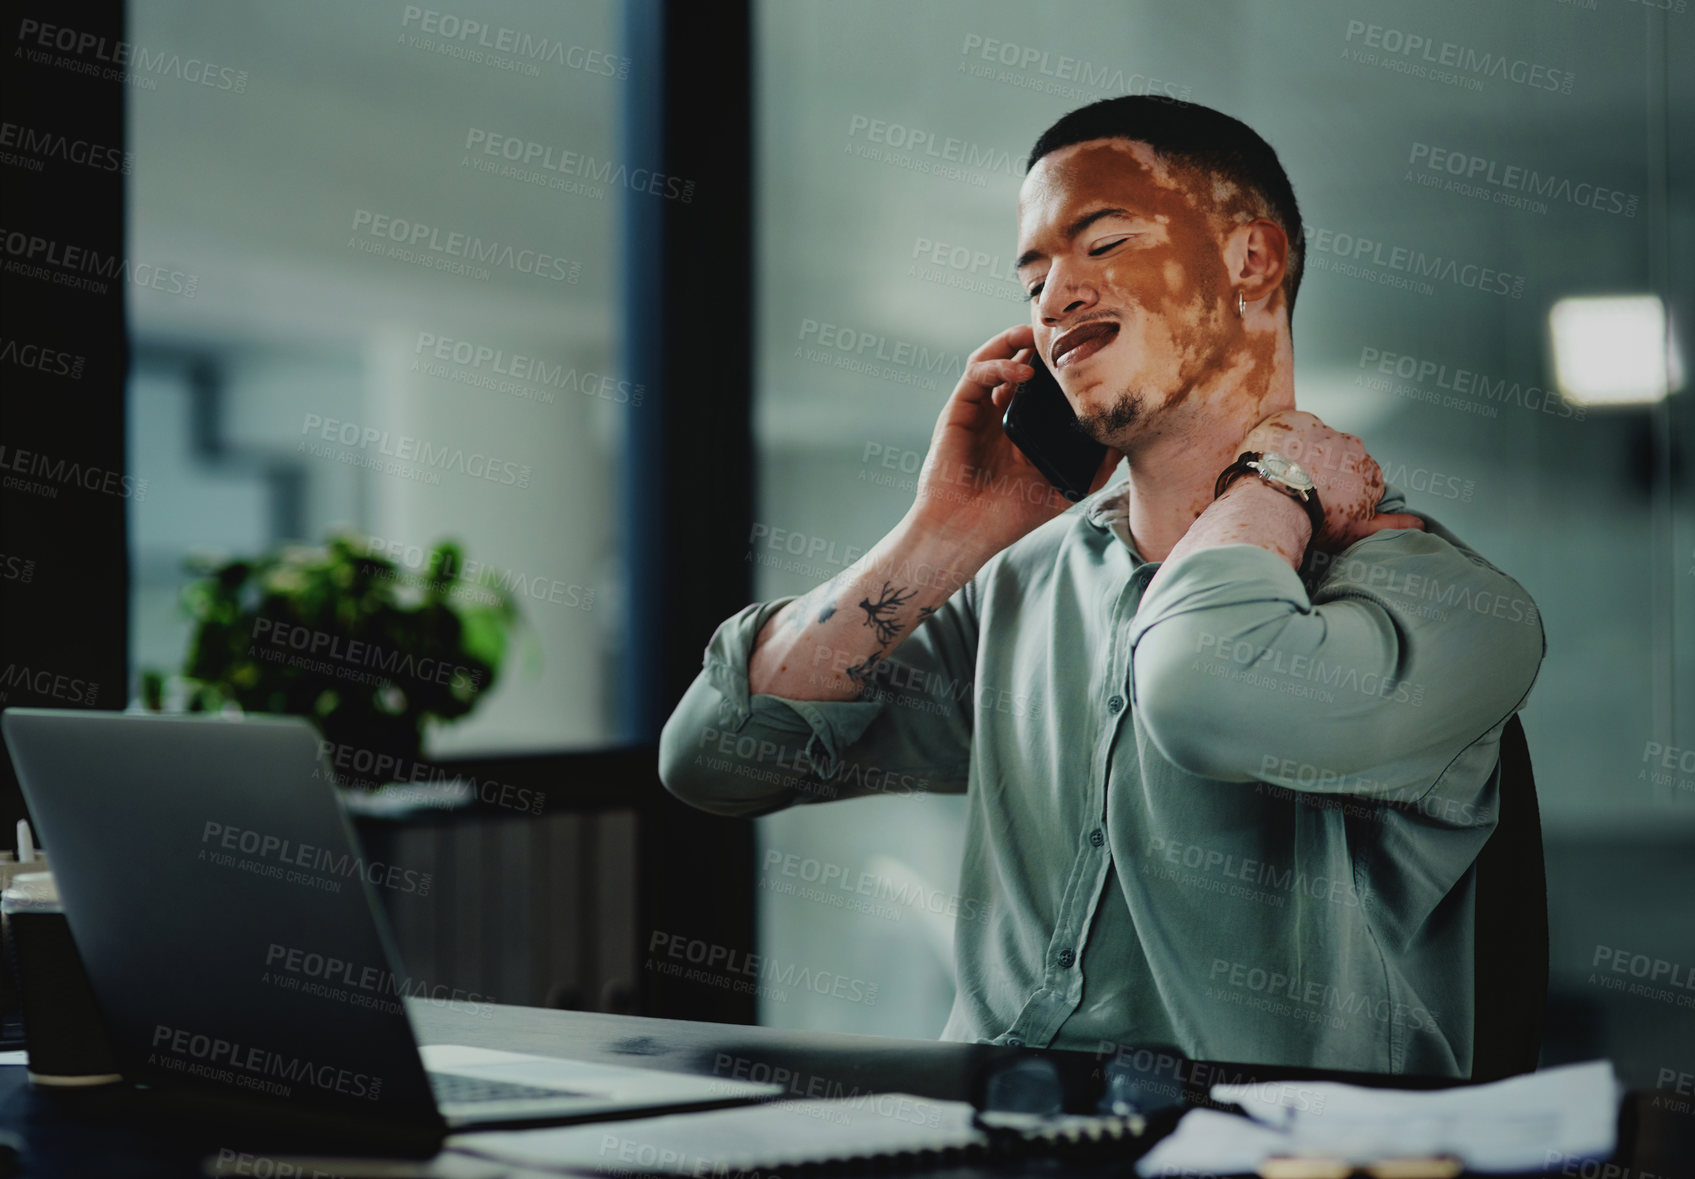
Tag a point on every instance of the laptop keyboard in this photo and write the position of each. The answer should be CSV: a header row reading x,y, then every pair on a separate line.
x,y
459,1089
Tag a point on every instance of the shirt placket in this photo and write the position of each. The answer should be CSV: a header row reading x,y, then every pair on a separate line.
x,y
1062,980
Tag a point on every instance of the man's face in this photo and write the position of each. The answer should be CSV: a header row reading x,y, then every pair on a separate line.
x,y
1152,279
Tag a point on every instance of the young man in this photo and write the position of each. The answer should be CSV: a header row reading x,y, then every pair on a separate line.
x,y
1229,753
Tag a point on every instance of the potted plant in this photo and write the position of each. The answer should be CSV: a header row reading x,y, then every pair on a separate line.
x,y
370,653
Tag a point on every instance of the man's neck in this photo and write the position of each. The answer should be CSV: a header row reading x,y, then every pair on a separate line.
x,y
1172,474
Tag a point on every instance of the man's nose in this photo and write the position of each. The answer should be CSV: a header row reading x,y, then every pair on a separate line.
x,y
1075,304
1065,297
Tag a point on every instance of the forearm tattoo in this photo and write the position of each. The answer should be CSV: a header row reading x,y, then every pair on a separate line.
x,y
880,615
863,673
883,618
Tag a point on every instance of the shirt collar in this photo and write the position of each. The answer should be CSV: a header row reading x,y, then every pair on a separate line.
x,y
1109,510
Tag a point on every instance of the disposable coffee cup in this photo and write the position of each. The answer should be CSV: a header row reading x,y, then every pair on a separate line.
x,y
63,1033
10,866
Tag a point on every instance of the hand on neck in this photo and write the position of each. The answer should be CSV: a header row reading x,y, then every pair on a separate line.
x,y
1174,463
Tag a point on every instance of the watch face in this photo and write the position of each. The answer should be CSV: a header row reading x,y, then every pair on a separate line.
x,y
1286,471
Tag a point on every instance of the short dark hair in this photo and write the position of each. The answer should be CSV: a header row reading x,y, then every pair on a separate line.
x,y
1188,134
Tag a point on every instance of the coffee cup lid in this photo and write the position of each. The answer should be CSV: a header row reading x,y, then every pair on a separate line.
x,y
31,890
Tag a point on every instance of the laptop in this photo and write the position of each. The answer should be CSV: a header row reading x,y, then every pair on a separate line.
x,y
231,934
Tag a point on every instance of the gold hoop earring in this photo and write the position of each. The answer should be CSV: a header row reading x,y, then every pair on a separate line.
x,y
1241,305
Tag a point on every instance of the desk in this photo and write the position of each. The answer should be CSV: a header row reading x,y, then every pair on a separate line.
x,y
1655,1143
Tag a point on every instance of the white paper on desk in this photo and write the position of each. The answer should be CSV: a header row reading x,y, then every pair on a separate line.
x,y
753,1137
1521,1124
1207,1142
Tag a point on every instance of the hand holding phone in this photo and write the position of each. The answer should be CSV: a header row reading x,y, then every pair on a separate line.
x,y
1041,423
977,486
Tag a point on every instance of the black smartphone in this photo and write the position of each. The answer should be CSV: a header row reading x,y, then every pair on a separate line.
x,y
1040,423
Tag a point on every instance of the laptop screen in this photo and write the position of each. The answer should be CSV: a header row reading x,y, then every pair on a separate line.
x,y
223,910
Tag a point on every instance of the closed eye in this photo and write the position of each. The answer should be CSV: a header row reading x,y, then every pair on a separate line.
x,y
1094,253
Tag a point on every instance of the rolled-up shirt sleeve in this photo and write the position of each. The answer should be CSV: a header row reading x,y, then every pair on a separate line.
x,y
1409,650
730,751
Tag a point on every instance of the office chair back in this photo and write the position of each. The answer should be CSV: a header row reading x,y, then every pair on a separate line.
x,y
1511,986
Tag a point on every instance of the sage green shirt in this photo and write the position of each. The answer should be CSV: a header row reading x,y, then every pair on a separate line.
x,y
1237,816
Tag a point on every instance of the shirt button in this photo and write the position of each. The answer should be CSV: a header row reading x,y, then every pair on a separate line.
x,y
1115,704
1014,1042
1067,958
1096,837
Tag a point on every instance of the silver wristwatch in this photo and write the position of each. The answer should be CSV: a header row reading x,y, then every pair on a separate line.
x,y
1283,473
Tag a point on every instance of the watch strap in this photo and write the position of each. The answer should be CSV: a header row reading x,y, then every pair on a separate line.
x,y
1307,499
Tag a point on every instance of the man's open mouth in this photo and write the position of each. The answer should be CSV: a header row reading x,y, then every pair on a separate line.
x,y
1082,341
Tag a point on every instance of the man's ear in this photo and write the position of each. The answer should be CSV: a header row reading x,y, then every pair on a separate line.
x,y
1258,257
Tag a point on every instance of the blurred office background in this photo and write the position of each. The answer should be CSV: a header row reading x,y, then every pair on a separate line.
x,y
886,143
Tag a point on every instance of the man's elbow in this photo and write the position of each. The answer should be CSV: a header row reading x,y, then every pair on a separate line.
x,y
685,765
1176,709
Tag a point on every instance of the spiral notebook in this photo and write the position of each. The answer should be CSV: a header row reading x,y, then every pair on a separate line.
x,y
892,1129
